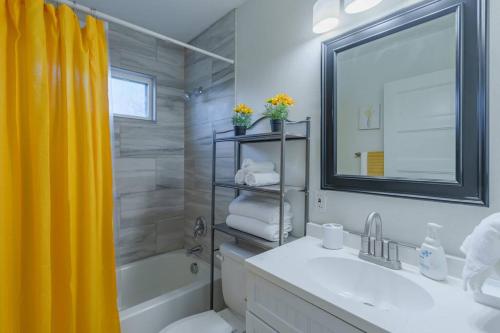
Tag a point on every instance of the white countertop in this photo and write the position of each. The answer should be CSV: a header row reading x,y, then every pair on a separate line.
x,y
453,311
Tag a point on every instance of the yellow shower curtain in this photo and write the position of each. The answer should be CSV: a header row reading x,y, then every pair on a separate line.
x,y
57,270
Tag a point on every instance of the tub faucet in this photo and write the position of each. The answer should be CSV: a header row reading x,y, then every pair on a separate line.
x,y
377,250
195,250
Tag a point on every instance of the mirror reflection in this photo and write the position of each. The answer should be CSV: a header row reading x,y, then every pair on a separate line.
x,y
396,104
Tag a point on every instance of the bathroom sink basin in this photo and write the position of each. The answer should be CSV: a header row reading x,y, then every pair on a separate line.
x,y
368,284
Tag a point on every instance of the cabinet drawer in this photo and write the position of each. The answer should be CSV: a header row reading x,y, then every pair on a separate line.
x,y
255,325
285,312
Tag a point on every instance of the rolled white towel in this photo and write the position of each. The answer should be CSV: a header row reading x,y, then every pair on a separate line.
x,y
239,178
252,166
262,179
264,209
258,228
482,252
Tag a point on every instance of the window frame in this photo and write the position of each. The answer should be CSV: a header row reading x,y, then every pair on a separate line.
x,y
137,77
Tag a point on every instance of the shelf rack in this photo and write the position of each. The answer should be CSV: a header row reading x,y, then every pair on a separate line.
x,y
279,190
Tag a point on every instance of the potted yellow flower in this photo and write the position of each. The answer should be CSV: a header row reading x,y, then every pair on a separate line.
x,y
241,119
277,109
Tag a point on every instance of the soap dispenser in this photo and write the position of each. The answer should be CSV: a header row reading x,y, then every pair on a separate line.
x,y
432,258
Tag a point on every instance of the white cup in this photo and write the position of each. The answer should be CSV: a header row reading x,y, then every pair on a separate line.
x,y
333,236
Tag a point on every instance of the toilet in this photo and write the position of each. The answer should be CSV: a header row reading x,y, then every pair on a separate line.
x,y
231,319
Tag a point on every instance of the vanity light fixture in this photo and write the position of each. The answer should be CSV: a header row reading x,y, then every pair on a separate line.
x,y
358,6
325,15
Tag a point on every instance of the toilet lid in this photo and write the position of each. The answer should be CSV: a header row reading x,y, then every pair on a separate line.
x,y
206,322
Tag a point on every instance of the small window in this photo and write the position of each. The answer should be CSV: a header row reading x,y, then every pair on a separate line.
x,y
132,94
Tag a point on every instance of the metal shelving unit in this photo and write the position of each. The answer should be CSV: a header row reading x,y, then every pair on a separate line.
x,y
279,190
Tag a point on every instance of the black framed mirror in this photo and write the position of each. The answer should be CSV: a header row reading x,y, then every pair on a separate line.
x,y
404,105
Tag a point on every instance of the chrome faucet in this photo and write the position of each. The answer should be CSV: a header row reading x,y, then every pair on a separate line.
x,y
195,250
377,250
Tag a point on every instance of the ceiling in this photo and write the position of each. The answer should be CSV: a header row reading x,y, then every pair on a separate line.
x,y
180,19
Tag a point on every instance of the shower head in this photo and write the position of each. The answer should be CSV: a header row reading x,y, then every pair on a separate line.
x,y
198,91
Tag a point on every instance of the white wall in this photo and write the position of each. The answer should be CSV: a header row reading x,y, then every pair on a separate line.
x,y
277,51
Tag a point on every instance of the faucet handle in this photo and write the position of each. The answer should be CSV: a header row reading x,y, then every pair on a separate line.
x,y
199,227
393,254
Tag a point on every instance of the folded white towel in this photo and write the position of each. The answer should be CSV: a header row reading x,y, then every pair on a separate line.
x,y
260,208
239,178
252,166
258,228
262,179
482,252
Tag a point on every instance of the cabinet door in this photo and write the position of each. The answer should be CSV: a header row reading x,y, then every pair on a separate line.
x,y
255,325
287,313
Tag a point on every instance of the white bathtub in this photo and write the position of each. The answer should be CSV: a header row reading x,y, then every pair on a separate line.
x,y
157,291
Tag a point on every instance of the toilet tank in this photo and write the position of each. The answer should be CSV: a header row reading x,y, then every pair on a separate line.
x,y
234,275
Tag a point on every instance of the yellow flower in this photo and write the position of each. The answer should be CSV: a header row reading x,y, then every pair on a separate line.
x,y
281,99
243,109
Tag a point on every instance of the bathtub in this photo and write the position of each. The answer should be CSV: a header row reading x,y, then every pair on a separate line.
x,y
157,291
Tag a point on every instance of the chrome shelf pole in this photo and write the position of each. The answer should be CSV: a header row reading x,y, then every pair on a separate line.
x,y
212,221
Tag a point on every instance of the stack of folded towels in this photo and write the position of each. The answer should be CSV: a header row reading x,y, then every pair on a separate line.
x,y
259,216
257,173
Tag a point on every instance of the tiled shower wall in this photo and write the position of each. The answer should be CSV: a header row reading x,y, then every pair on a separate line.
x,y
211,109
149,156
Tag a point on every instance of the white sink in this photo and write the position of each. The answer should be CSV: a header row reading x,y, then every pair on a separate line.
x,y
370,297
368,284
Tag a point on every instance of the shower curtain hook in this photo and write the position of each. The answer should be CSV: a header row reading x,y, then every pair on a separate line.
x,y
93,12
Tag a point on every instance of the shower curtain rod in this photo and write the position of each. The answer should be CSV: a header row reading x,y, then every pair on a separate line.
x,y
137,28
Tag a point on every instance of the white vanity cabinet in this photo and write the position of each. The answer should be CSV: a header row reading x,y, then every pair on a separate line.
x,y
255,325
274,309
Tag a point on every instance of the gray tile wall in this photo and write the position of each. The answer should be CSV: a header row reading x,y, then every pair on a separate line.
x,y
212,109
163,169
149,156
